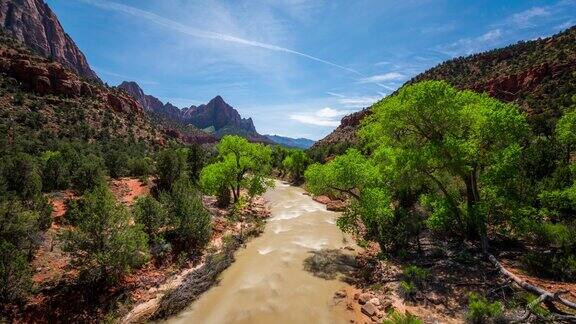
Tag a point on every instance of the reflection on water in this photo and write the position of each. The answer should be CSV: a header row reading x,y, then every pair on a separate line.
x,y
287,275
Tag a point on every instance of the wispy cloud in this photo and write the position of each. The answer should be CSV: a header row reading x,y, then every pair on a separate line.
x,y
326,117
519,25
466,46
525,19
391,76
191,31
355,102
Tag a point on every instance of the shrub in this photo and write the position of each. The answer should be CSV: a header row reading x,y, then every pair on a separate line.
x,y
481,310
191,221
15,277
170,166
104,244
399,318
89,175
560,262
151,215
56,174
416,275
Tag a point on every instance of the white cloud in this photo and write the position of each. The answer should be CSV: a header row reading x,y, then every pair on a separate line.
x,y
525,18
391,76
195,32
467,46
326,117
355,102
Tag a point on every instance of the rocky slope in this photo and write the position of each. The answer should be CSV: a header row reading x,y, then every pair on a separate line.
x,y
302,143
41,99
539,76
34,24
217,118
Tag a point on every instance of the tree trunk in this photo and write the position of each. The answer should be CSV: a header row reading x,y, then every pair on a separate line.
x,y
477,225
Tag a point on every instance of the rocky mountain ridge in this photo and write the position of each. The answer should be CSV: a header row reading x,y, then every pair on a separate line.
x,y
33,23
301,143
216,117
539,76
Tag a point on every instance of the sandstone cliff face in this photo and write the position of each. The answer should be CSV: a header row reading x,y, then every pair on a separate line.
x,y
34,24
43,77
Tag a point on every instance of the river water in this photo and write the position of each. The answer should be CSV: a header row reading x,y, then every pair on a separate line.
x,y
268,282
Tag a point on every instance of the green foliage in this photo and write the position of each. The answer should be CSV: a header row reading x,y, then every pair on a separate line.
x,y
18,225
104,244
89,175
191,221
481,310
15,275
414,279
566,129
56,172
240,165
295,163
170,166
431,135
399,318
416,274
559,262
347,174
150,213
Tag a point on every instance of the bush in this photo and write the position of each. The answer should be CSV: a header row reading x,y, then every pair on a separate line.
x,y
560,262
89,175
151,215
399,318
104,244
170,166
191,221
55,174
140,167
15,275
481,310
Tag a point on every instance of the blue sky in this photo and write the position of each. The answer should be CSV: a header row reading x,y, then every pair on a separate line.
x,y
295,66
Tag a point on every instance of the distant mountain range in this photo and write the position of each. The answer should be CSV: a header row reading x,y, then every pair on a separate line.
x,y
302,143
216,118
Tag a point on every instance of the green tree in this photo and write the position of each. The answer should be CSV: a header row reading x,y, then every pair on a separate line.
x,y
295,163
190,220
56,174
150,213
104,244
15,275
432,135
240,165
170,166
347,174
89,174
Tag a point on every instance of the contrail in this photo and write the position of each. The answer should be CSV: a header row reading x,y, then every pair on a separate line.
x,y
168,23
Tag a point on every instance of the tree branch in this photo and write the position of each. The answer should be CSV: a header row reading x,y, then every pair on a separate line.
x,y
544,294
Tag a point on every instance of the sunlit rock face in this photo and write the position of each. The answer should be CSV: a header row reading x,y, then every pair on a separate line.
x,y
34,24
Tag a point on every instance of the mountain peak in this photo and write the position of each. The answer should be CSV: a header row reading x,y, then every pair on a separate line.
x,y
218,100
33,23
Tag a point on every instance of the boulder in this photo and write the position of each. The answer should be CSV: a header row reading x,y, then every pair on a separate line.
x,y
322,199
364,298
336,205
368,309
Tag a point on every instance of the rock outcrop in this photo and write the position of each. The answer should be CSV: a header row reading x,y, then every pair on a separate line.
x,y
216,118
33,23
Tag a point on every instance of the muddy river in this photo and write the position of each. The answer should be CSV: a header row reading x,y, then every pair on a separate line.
x,y
271,280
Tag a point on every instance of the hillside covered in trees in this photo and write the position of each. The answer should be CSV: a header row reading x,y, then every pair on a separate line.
x,y
536,75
